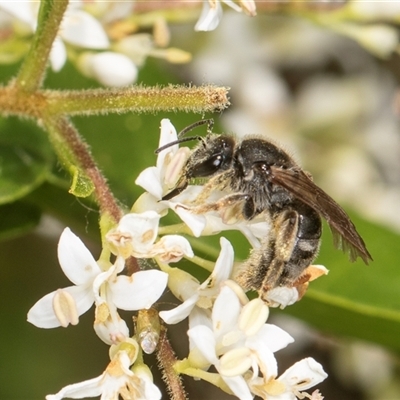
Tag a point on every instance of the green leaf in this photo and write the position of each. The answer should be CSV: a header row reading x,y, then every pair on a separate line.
x,y
81,185
355,299
25,159
17,219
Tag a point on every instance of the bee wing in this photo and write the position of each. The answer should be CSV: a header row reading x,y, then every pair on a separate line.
x,y
345,235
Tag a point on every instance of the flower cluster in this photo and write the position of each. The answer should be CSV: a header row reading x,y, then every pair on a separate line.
x,y
236,340
96,36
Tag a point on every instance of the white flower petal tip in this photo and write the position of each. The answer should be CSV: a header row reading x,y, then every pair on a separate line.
x,y
109,68
281,297
167,134
75,259
211,13
210,16
82,29
58,55
303,375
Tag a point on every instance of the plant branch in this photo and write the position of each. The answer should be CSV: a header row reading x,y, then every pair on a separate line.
x,y
74,153
38,104
166,359
207,98
31,74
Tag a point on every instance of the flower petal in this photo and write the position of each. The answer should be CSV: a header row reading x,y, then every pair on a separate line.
x,y
266,359
138,291
282,296
225,319
23,11
89,388
304,374
179,313
224,264
273,336
142,228
82,29
239,387
209,17
203,339
111,69
114,329
149,180
196,223
58,55
167,135
75,259
42,313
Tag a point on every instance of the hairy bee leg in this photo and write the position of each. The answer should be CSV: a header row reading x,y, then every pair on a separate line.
x,y
268,264
217,182
231,208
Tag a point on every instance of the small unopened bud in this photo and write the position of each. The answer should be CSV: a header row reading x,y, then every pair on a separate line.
x,y
148,329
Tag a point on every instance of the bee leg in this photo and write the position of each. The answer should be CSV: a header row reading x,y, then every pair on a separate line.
x,y
231,207
268,266
217,182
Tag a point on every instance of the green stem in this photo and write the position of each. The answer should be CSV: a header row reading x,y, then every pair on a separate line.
x,y
201,262
31,74
75,155
201,99
174,229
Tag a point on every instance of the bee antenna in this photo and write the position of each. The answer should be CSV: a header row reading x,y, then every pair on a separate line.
x,y
188,139
210,124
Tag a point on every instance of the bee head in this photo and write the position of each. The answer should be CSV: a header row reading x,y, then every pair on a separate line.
x,y
213,154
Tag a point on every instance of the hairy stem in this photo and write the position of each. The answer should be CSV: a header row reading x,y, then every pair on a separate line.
x,y
31,74
201,99
74,153
166,360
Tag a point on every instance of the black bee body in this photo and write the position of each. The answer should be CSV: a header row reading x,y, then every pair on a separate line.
x,y
262,178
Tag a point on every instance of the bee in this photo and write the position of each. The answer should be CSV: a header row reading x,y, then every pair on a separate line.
x,y
262,179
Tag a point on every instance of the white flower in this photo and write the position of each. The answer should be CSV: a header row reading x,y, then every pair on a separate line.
x,y
78,28
135,236
161,179
117,380
281,296
109,68
212,12
185,287
290,385
239,339
91,284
